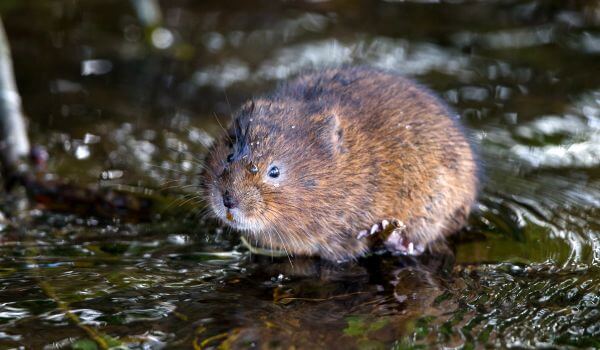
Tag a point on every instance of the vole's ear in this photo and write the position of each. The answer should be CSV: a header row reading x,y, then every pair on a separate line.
x,y
330,132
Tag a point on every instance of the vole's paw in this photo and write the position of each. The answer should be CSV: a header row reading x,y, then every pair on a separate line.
x,y
375,229
392,233
398,242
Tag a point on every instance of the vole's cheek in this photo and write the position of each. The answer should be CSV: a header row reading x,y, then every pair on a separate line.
x,y
254,199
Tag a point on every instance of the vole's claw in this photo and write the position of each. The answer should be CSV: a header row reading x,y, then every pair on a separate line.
x,y
362,234
374,229
384,224
379,227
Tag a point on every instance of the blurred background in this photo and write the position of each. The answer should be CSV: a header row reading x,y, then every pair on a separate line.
x,y
129,98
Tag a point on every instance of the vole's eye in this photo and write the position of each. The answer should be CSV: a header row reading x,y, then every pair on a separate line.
x,y
253,169
230,158
274,172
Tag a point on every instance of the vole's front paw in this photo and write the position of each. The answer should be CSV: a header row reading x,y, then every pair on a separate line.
x,y
398,242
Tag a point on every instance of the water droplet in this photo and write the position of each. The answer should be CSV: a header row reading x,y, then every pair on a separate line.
x,y
162,38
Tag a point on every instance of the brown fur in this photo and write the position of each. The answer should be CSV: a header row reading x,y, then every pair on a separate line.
x,y
354,146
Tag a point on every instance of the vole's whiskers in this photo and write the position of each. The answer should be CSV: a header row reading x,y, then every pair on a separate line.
x,y
283,243
170,181
228,103
168,169
179,202
271,243
181,187
190,199
202,213
222,127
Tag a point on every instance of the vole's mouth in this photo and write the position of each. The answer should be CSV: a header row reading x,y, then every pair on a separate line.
x,y
236,219
232,217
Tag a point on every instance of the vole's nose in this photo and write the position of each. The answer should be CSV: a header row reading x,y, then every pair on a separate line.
x,y
228,201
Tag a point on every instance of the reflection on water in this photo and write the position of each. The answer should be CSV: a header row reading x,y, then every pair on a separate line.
x,y
121,105
577,137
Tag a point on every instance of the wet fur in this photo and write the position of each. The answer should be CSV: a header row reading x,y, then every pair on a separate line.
x,y
355,146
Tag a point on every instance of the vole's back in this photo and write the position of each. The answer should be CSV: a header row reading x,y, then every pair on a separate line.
x,y
402,143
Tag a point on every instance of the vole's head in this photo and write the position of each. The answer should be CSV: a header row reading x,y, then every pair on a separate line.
x,y
269,172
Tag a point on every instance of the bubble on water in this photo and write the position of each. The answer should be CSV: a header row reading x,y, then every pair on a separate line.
x,y
186,165
213,41
91,138
96,67
111,174
162,38
82,152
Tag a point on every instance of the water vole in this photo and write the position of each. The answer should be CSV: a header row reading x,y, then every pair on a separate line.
x,y
335,156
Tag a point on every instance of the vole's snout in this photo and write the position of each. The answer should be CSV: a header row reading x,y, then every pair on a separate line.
x,y
229,201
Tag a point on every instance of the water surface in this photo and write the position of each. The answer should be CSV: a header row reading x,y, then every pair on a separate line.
x,y
124,106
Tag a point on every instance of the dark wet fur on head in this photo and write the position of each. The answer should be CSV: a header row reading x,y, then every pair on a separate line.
x,y
354,146
241,127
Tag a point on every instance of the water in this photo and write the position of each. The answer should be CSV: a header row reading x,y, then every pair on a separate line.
x,y
120,107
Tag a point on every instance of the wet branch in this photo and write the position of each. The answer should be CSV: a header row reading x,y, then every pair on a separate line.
x,y
14,144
